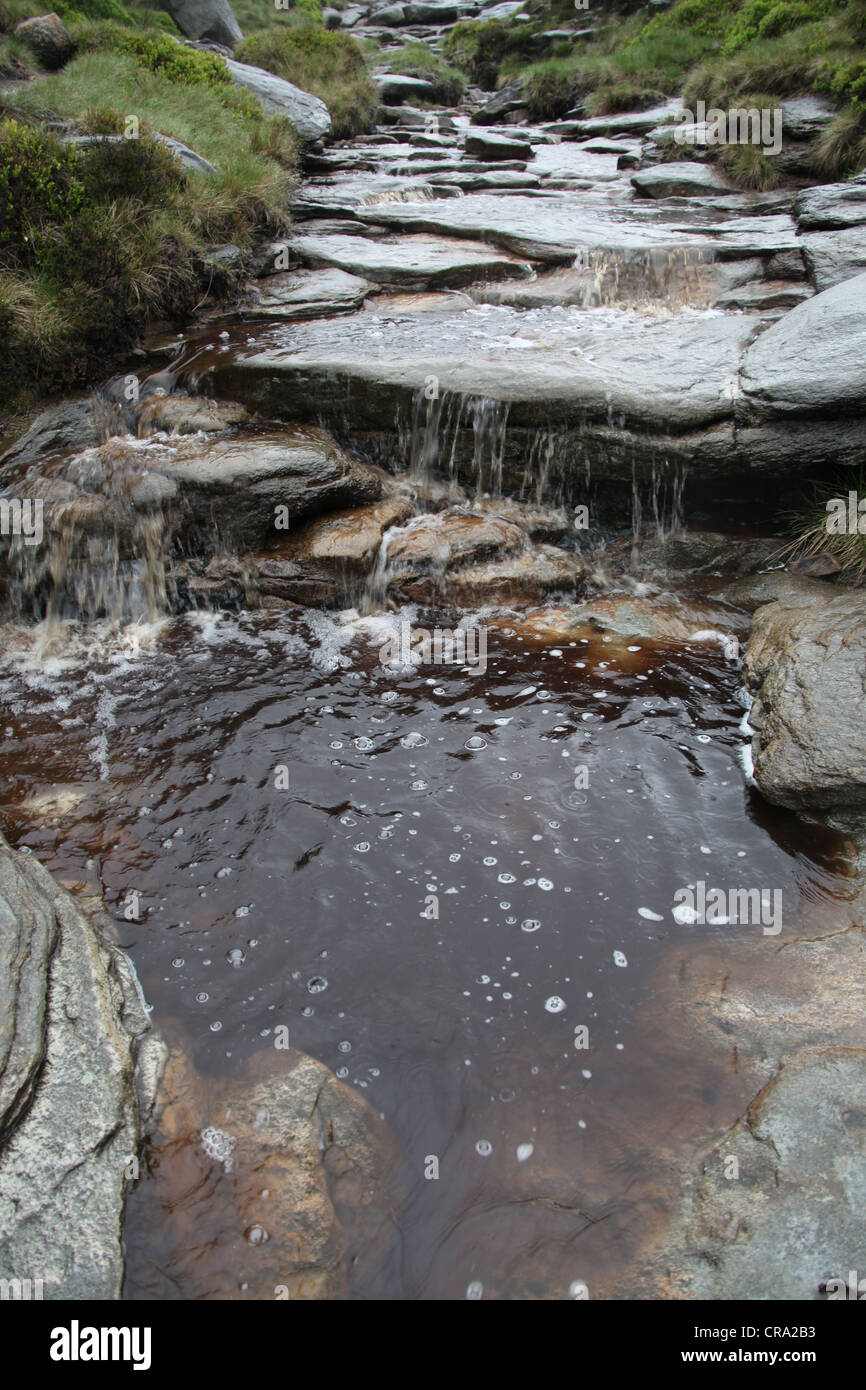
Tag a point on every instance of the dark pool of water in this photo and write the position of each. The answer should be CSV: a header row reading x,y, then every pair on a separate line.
x,y
313,906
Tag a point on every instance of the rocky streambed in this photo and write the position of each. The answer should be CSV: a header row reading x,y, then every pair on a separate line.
x,y
387,973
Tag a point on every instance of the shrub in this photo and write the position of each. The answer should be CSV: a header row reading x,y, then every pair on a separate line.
x,y
417,60
325,62
38,185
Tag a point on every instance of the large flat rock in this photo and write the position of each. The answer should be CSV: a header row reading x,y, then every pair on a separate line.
x,y
812,359
310,116
305,294
416,262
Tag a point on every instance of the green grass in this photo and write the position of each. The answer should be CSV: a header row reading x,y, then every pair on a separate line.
x,y
811,536
325,62
107,240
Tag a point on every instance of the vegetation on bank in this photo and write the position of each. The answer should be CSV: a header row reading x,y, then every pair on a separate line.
x,y
326,62
723,54
830,525
417,60
97,244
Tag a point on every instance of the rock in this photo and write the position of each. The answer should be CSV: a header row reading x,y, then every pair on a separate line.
x,y
496,147
764,296
415,261
681,180
270,1182
72,1032
807,667
793,590
228,490
310,116
393,16
445,539
795,1217
511,97
344,540
394,88
524,578
187,157
182,414
651,619
811,360
628,123
830,207
305,294
433,12
47,36
210,20
805,117
500,178
832,257
75,424
332,19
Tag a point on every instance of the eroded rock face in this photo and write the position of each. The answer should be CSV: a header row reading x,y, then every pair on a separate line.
x,y
265,1178
72,1029
807,667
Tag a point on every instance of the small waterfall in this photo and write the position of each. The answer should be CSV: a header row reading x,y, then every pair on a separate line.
x,y
665,503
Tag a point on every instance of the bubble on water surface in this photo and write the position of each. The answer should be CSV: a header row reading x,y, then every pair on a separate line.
x,y
414,740
363,745
475,743
256,1235
317,984
475,1291
649,915
217,1144
554,1005
202,998
344,1046
484,1148
530,924
524,1151
178,962
362,846
236,957
545,884
619,958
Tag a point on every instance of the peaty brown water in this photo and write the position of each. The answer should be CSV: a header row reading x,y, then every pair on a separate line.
x,y
406,869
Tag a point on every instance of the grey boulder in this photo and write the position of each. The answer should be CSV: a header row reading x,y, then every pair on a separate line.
x,y
310,116
211,20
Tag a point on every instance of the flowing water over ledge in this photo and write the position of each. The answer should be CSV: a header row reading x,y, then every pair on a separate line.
x,y
158,768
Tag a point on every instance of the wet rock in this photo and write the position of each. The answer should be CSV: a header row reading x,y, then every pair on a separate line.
x,y
683,180
511,97
305,294
805,117
524,578
696,553
811,359
793,590
394,88
794,1217
345,540
307,113
187,156
807,668
764,296
210,20
830,207
628,123
451,538
832,257
47,36
72,1030
489,146
267,1182
182,414
500,179
656,620
388,305
75,424
416,261
230,489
